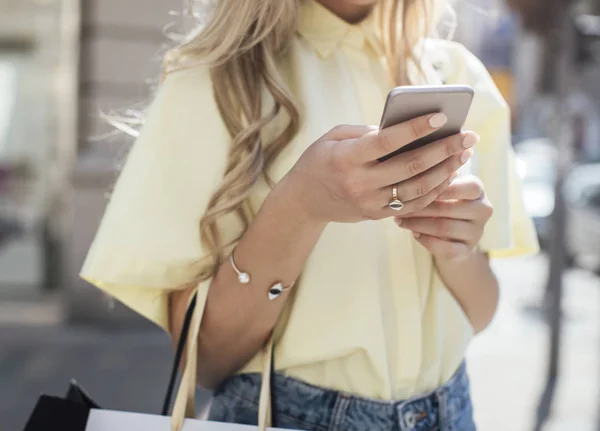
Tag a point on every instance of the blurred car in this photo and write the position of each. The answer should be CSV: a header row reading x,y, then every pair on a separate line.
x,y
582,194
536,164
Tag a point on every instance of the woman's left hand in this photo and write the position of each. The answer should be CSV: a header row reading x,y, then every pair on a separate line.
x,y
451,227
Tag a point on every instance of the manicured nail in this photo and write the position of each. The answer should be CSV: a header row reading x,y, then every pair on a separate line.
x,y
416,234
438,120
464,157
470,140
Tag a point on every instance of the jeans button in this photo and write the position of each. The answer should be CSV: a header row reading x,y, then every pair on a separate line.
x,y
410,419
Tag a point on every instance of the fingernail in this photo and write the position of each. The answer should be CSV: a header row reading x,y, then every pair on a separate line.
x,y
464,157
470,140
438,120
399,221
416,234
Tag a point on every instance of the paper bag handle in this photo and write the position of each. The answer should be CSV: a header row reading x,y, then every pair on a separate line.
x,y
186,395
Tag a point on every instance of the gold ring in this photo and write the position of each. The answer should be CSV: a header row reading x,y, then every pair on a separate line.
x,y
395,204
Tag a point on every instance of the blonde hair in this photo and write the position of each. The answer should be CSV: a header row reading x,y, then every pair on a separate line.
x,y
242,43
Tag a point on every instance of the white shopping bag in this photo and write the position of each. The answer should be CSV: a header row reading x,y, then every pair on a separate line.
x,y
105,420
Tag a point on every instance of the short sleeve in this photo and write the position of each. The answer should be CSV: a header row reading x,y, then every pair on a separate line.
x,y
510,231
148,242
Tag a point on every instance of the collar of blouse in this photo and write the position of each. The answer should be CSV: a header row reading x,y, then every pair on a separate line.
x,y
325,31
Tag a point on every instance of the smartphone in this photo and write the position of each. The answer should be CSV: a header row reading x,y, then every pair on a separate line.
x,y
406,103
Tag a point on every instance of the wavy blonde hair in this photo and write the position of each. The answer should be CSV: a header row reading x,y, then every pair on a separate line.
x,y
242,43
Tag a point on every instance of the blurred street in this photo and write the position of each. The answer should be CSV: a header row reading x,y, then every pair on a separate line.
x,y
507,363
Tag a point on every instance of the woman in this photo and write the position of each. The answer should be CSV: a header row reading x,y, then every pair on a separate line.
x,y
256,164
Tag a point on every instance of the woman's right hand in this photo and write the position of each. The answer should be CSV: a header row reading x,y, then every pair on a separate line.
x,y
339,178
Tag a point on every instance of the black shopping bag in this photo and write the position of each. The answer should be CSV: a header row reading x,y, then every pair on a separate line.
x,y
71,412
67,414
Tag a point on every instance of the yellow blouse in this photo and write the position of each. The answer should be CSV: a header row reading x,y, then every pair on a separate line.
x,y
371,315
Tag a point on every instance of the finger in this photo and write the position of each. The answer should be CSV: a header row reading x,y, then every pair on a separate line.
x,y
455,230
345,132
378,144
413,163
423,183
480,209
410,206
449,250
461,210
469,188
426,182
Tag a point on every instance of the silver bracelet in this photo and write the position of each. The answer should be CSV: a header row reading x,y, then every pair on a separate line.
x,y
244,278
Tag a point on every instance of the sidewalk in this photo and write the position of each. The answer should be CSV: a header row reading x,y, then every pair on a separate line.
x,y
508,362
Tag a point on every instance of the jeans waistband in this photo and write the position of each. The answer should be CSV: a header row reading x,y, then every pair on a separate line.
x,y
328,408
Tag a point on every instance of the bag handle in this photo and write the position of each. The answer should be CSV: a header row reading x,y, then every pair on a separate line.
x,y
266,403
178,354
185,401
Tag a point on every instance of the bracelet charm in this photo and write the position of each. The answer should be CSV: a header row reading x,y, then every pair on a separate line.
x,y
243,277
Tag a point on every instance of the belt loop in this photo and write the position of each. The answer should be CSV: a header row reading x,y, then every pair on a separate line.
x,y
440,394
342,402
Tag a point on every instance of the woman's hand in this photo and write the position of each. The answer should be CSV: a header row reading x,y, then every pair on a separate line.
x,y
451,227
339,178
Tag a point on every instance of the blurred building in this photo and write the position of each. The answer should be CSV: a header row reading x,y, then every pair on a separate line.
x,y
62,62
32,157
515,61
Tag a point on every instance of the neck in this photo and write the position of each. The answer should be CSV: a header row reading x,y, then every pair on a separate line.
x,y
350,11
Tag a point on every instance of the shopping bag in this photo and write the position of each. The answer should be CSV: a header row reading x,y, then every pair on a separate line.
x,y
104,420
77,411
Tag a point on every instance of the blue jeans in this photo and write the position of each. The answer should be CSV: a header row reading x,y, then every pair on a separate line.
x,y
301,406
